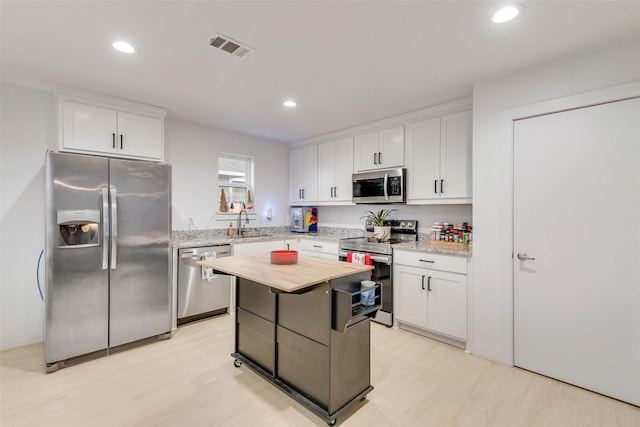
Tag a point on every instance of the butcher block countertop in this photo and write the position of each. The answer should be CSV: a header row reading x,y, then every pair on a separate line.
x,y
307,272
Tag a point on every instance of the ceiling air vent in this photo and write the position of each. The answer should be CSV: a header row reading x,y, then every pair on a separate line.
x,y
231,46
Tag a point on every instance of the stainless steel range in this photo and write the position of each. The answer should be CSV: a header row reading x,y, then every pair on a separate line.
x,y
402,230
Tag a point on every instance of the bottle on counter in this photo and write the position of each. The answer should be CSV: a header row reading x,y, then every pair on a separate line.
x,y
230,230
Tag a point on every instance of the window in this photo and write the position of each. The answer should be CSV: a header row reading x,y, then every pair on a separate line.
x,y
235,183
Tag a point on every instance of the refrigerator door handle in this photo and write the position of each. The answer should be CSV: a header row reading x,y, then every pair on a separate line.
x,y
114,228
105,229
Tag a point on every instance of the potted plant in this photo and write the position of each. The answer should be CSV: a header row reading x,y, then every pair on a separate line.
x,y
380,231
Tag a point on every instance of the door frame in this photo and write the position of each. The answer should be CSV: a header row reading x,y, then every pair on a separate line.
x,y
508,116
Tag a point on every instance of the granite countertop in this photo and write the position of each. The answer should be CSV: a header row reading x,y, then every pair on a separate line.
x,y
423,246
307,272
195,238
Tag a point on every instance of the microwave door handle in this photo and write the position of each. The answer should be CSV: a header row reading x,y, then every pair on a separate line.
x,y
386,181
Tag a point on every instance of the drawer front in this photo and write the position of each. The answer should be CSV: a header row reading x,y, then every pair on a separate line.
x,y
304,364
430,261
256,299
308,314
318,246
255,338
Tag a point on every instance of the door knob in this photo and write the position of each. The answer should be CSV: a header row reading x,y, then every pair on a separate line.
x,y
522,256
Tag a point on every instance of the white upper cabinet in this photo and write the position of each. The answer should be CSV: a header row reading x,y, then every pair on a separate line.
x,y
335,167
94,128
438,152
379,150
140,136
303,175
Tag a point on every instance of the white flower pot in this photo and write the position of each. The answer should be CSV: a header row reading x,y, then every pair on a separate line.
x,y
382,233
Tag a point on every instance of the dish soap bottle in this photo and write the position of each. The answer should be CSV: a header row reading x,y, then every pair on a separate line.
x,y
230,230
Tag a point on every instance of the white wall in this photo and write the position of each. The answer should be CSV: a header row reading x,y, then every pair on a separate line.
x,y
492,288
28,121
28,130
350,216
193,152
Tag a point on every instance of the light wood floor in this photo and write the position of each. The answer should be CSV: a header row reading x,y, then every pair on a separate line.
x,y
190,380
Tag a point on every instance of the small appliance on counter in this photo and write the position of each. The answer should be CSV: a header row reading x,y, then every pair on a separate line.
x,y
304,220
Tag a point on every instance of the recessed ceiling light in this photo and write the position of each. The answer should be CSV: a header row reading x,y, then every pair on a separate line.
x,y
507,13
123,47
290,103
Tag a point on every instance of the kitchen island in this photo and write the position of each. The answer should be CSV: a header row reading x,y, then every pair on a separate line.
x,y
303,328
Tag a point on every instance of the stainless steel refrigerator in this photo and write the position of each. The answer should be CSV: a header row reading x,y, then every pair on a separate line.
x,y
108,226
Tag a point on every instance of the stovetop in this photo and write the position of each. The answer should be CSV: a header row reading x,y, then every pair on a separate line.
x,y
401,231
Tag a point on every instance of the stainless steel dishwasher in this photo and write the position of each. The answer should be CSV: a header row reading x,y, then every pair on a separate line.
x,y
198,297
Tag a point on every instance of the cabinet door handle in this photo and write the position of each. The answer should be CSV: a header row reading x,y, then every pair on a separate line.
x,y
317,246
113,140
426,260
428,284
375,158
442,186
435,186
121,141
379,158
423,282
303,193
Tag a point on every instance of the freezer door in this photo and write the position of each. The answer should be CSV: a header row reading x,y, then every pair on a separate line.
x,y
140,293
76,284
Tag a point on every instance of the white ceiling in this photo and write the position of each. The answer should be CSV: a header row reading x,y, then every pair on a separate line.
x,y
347,63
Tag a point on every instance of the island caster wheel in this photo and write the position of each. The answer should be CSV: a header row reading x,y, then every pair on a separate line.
x,y
331,422
363,398
237,363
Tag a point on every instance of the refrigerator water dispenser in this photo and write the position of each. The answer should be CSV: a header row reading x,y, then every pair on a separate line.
x,y
78,228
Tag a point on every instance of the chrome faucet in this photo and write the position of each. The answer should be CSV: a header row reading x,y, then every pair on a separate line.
x,y
240,230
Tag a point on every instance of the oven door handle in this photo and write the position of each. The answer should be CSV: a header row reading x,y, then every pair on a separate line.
x,y
386,259
381,258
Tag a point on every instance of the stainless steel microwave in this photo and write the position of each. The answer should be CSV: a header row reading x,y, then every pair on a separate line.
x,y
380,186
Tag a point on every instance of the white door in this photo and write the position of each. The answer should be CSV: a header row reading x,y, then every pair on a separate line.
x,y
423,159
391,148
88,128
366,151
410,289
577,212
447,308
139,136
343,190
326,170
455,156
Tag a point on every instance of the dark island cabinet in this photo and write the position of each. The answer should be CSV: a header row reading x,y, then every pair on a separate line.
x,y
299,342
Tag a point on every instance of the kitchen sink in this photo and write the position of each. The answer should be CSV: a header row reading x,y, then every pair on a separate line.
x,y
252,235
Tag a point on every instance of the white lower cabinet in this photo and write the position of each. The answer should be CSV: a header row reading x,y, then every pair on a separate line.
x,y
256,247
318,249
429,298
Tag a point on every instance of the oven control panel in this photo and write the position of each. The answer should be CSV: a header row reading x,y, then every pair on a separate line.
x,y
404,226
